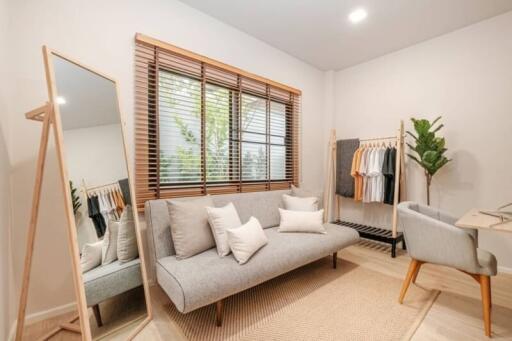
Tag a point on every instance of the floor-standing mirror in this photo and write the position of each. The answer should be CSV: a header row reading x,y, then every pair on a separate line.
x,y
90,131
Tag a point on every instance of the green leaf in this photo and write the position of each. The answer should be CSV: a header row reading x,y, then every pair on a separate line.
x,y
412,135
438,128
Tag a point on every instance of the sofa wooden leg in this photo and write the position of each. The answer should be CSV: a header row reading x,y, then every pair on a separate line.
x,y
97,314
485,288
334,260
218,313
413,267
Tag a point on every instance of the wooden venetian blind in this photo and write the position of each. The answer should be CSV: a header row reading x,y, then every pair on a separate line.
x,y
202,126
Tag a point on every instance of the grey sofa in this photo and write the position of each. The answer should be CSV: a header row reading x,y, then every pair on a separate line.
x,y
110,280
207,278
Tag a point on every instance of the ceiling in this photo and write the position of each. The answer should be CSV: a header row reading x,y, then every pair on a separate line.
x,y
91,100
319,33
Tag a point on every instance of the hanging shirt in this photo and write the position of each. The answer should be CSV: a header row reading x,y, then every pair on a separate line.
x,y
354,172
368,178
377,193
96,216
388,169
363,165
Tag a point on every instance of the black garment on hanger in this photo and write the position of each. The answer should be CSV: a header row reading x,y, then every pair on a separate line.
x,y
93,208
388,170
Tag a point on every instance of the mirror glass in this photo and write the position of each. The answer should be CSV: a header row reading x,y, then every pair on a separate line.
x,y
96,164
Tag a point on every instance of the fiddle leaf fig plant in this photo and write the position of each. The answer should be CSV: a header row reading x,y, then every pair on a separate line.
x,y
429,148
75,199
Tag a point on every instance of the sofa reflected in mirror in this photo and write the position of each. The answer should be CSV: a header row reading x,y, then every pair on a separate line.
x,y
113,275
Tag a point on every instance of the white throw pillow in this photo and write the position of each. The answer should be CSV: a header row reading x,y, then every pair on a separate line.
x,y
222,219
297,221
245,240
127,237
304,193
109,249
308,204
91,256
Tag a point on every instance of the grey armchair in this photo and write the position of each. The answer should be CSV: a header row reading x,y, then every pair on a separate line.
x,y
432,238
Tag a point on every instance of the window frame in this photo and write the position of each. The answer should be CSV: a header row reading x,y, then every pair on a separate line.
x,y
149,64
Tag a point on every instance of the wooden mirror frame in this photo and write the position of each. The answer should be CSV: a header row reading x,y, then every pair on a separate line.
x,y
50,114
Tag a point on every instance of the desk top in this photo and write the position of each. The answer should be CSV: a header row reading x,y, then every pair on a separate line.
x,y
476,220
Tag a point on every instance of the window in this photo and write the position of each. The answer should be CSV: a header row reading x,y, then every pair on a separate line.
x,y
205,127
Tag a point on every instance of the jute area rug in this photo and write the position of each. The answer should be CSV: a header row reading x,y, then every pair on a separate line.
x,y
315,302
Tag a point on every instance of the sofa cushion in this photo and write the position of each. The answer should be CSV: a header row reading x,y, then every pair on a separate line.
x,y
127,248
300,221
292,203
222,219
206,278
245,240
110,280
306,193
190,231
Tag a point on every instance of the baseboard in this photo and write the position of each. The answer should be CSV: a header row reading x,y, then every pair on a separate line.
x,y
43,315
11,335
504,269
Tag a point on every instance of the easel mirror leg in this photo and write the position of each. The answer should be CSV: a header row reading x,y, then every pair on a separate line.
x,y
41,159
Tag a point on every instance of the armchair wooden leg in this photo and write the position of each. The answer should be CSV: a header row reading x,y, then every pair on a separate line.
x,y
413,267
97,314
334,260
218,313
415,275
485,288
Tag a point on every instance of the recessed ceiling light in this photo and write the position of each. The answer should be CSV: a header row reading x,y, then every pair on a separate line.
x,y
357,15
60,100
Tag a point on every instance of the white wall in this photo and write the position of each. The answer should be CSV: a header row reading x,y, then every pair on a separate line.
x,y
96,156
6,310
5,257
466,76
100,34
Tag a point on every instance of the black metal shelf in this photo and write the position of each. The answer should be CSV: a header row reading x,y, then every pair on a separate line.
x,y
377,234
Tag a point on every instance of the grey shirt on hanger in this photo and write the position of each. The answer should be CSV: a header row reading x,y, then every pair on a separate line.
x,y
345,150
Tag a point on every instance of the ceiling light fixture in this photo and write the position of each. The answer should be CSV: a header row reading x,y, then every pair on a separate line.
x,y
60,100
357,15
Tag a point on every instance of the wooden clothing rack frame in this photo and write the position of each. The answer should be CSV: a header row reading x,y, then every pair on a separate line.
x,y
86,189
392,236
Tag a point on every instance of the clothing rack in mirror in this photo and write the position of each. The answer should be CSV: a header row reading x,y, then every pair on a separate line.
x,y
392,236
86,190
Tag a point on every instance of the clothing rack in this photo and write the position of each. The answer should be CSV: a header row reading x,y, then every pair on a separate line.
x,y
392,236
86,190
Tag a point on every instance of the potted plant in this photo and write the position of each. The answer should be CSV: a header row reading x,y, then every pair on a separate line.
x,y
429,148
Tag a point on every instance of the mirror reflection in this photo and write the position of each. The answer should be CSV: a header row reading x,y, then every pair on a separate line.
x,y
98,179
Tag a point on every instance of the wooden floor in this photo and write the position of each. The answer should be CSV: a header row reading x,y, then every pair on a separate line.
x,y
456,314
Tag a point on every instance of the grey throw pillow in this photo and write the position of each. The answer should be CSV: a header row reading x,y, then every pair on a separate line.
x,y
126,237
190,231
109,249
